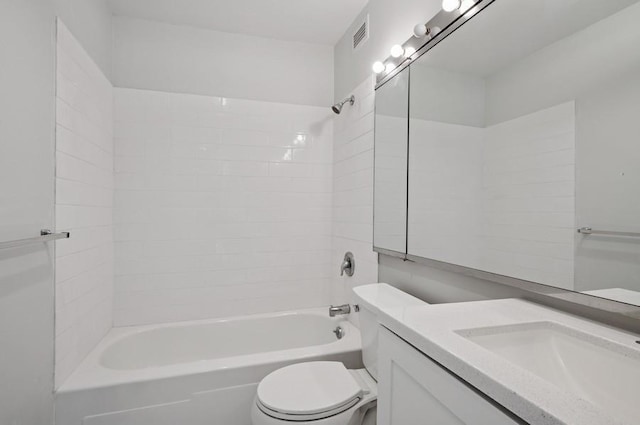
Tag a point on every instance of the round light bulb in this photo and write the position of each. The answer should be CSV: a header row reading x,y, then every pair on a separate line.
x,y
409,51
420,30
390,67
397,51
378,67
469,8
450,5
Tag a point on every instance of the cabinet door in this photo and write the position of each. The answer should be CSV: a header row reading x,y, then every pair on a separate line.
x,y
413,389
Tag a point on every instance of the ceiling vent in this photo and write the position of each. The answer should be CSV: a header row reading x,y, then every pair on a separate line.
x,y
361,35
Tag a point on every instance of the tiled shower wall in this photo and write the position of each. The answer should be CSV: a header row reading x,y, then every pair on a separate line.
x,y
353,193
84,204
222,206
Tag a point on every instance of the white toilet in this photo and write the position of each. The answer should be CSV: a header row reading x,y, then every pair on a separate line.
x,y
327,393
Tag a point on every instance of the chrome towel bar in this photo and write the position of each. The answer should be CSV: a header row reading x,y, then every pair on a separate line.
x,y
45,236
590,231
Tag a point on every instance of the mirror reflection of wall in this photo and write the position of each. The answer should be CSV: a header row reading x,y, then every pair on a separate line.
x,y
524,126
391,141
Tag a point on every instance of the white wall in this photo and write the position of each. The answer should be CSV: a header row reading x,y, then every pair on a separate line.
x,y
223,206
84,204
27,182
157,56
26,206
90,22
353,193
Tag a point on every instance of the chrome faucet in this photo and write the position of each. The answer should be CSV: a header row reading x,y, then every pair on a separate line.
x,y
348,265
339,309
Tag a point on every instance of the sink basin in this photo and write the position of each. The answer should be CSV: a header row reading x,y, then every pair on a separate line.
x,y
604,373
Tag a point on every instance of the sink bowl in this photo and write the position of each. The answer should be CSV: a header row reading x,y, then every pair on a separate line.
x,y
604,373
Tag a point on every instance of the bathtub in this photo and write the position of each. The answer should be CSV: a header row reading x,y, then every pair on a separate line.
x,y
198,372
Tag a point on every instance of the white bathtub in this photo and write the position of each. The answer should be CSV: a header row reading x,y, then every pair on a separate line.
x,y
200,372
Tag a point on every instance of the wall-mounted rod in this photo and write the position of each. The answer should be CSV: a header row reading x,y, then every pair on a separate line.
x,y
45,236
590,231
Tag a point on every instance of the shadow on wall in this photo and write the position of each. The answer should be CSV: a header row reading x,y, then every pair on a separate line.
x,y
317,128
29,274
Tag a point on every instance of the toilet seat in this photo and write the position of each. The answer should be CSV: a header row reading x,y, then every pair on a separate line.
x,y
306,417
309,391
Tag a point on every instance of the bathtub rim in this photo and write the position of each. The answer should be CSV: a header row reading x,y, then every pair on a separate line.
x,y
91,374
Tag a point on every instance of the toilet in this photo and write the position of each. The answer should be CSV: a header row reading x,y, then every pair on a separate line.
x,y
325,392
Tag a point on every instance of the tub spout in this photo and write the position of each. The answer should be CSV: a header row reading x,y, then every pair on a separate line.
x,y
340,309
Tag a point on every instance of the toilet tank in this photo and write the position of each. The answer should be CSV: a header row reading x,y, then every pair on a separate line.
x,y
374,299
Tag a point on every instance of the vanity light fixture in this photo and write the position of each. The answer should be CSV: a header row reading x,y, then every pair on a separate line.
x,y
451,5
378,67
451,16
400,53
397,51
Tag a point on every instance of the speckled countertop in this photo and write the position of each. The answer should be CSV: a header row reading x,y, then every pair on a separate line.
x,y
437,330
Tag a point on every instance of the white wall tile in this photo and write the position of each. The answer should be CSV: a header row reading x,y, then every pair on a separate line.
x,y
222,206
353,194
84,204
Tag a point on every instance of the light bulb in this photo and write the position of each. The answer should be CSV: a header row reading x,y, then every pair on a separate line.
x,y
378,67
390,67
409,51
300,139
420,30
397,51
469,8
450,5
434,31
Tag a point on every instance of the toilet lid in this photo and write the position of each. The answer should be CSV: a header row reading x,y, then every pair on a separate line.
x,y
309,388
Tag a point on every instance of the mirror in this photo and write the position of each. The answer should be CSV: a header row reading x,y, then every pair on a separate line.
x,y
525,127
390,181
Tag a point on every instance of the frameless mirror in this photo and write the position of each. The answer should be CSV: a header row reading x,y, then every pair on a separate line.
x,y
524,127
390,188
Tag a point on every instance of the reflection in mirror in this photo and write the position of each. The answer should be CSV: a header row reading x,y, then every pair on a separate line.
x,y
524,127
391,140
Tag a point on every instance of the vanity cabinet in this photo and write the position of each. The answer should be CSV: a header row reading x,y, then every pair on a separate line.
x,y
413,389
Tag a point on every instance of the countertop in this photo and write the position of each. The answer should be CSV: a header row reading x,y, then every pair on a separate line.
x,y
434,330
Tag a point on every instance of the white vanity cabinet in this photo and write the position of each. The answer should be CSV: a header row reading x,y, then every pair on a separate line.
x,y
413,389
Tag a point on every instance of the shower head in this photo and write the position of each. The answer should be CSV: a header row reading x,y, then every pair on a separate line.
x,y
337,108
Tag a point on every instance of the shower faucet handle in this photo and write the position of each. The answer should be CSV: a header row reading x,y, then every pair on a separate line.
x,y
348,265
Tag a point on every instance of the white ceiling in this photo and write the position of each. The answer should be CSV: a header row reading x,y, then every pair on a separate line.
x,y
310,21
